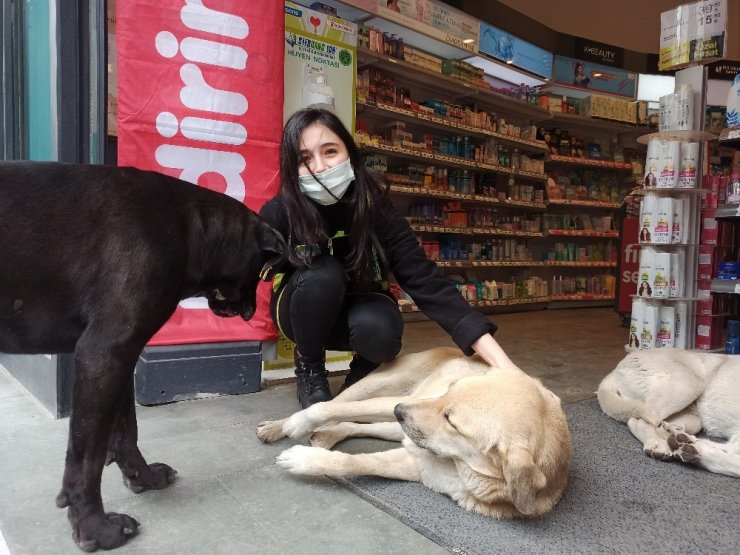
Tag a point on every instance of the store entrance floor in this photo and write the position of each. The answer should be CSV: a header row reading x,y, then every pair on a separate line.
x,y
570,350
229,496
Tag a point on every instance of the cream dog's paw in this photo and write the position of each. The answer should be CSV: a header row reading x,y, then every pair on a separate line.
x,y
300,424
301,459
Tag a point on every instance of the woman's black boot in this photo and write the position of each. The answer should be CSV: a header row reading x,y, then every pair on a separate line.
x,y
358,368
313,380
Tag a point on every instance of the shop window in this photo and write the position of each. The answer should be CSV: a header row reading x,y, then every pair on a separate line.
x,y
53,70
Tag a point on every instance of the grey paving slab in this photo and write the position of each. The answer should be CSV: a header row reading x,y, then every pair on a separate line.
x,y
229,496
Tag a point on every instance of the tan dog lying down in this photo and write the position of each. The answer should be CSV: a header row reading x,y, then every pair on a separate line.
x,y
666,395
496,441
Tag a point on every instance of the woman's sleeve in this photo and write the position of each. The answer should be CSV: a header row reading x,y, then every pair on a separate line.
x,y
421,278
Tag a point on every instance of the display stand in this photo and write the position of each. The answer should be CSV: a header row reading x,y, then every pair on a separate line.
x,y
660,333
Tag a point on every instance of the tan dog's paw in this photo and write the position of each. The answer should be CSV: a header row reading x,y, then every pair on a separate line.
x,y
301,459
328,436
271,431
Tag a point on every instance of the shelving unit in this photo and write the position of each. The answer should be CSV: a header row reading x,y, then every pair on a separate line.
x,y
584,211
450,87
500,209
730,212
514,198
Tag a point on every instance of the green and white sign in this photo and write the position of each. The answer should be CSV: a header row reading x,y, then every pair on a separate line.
x,y
320,62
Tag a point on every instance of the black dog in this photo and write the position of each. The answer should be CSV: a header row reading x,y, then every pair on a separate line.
x,y
93,260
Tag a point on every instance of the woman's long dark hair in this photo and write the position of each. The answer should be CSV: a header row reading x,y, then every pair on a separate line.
x,y
307,225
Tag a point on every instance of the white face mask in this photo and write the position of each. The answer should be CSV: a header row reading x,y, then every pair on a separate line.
x,y
333,183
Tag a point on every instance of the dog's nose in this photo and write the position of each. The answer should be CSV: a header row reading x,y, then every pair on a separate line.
x,y
399,412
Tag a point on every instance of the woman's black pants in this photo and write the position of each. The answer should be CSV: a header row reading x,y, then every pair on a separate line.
x,y
315,311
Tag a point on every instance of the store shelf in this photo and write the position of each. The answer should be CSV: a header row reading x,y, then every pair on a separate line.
x,y
451,87
685,136
587,162
449,161
584,203
726,211
577,264
731,286
410,307
663,245
581,233
468,264
417,118
429,228
479,199
668,299
730,137
581,297
590,125
669,191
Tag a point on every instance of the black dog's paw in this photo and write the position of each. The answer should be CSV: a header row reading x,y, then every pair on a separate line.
x,y
111,532
62,499
154,476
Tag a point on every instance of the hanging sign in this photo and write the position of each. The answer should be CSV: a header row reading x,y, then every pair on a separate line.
x,y
600,53
320,62
724,70
515,51
594,77
200,93
692,34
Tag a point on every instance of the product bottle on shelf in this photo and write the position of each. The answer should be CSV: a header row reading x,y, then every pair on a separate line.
x,y
732,346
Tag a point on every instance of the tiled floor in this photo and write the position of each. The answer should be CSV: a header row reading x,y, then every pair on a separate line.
x,y
229,496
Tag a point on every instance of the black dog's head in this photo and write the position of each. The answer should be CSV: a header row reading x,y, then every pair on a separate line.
x,y
235,293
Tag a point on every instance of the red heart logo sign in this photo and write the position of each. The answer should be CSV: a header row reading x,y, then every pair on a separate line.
x,y
315,21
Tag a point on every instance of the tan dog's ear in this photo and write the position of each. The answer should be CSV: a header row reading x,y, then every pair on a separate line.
x,y
524,479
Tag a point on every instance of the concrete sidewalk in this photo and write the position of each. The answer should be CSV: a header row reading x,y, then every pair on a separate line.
x,y
229,496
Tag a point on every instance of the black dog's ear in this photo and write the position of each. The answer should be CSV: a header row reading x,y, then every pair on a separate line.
x,y
274,250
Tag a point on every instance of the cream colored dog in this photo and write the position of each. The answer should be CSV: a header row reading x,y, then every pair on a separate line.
x,y
496,441
666,395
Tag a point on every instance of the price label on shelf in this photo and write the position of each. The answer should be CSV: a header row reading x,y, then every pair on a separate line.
x,y
710,17
693,33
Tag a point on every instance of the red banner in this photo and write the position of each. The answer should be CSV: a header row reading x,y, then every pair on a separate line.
x,y
200,91
629,264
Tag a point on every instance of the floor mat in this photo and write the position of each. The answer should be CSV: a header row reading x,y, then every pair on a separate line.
x,y
617,501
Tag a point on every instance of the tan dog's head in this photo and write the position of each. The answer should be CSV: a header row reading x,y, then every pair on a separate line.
x,y
507,435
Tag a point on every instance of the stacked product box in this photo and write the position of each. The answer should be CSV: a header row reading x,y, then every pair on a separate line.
x,y
717,246
606,107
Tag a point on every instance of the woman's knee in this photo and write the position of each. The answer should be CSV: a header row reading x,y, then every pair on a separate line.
x,y
326,275
376,334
